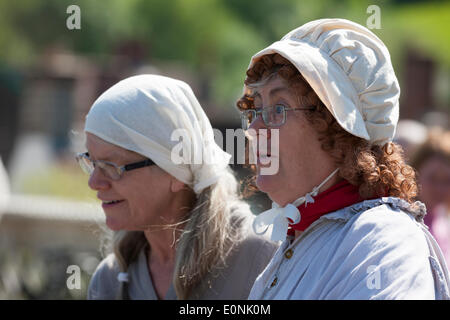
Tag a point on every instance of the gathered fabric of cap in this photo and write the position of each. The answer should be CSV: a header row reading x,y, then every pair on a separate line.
x,y
350,70
142,113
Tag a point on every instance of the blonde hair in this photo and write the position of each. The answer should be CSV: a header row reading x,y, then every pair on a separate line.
x,y
218,221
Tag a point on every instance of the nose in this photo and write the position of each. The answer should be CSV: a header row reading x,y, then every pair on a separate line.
x,y
259,124
97,181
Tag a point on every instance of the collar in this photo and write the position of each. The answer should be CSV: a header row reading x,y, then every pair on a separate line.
x,y
339,196
281,217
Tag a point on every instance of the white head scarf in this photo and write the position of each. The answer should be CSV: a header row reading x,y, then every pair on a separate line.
x,y
350,70
142,112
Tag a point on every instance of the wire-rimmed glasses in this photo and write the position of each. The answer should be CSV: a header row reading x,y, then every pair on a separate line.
x,y
273,116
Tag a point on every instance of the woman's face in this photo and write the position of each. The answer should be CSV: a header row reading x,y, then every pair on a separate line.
x,y
145,195
302,163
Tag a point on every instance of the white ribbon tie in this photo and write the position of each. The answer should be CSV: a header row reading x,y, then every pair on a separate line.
x,y
281,217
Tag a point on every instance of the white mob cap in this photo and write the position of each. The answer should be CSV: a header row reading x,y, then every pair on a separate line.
x,y
350,70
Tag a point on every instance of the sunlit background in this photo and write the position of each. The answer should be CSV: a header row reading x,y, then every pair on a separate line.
x,y
50,75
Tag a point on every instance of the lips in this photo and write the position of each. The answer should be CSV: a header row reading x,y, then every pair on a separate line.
x,y
264,152
261,150
260,147
107,203
112,202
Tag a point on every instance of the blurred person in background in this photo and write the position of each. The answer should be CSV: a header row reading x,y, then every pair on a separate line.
x,y
410,134
436,119
181,231
432,162
343,197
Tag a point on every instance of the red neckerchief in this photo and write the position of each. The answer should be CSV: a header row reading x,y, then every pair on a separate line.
x,y
339,196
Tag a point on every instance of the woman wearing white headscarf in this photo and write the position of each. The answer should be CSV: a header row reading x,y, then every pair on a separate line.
x,y
343,197
181,230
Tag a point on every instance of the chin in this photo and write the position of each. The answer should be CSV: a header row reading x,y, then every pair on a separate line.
x,y
268,183
113,224
275,186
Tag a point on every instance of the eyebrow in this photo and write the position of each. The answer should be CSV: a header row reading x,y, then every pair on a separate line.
x,y
272,92
110,156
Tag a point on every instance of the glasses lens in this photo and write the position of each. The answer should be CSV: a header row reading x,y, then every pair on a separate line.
x,y
88,166
109,170
244,121
247,118
85,164
274,116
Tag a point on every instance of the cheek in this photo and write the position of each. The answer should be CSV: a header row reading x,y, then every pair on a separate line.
x,y
275,173
149,198
300,152
140,197
292,149
141,210
134,193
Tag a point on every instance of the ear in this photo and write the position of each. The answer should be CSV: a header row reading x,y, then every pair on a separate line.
x,y
176,185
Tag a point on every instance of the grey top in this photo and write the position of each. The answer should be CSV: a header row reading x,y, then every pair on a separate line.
x,y
234,281
375,249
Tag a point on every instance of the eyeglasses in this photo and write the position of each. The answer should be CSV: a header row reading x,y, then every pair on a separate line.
x,y
273,116
109,169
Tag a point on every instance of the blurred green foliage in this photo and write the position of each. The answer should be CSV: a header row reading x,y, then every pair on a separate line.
x,y
215,38
62,181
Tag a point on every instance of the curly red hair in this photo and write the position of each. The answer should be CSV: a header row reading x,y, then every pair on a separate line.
x,y
376,170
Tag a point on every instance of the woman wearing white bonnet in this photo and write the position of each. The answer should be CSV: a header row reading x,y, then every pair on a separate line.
x,y
326,98
181,231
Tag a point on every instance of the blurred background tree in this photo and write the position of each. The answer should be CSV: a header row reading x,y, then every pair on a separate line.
x,y
215,38
207,43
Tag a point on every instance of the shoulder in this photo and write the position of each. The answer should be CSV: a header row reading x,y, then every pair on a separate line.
x,y
389,224
251,244
245,262
391,221
260,247
385,243
254,251
387,233
104,284
248,258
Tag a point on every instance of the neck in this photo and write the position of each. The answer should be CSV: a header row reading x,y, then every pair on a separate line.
x,y
162,240
285,199
162,245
